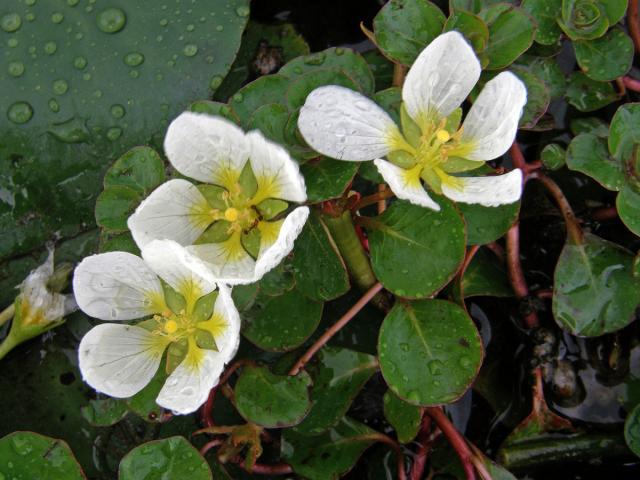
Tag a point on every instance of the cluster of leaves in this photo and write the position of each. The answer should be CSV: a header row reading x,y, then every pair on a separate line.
x,y
427,348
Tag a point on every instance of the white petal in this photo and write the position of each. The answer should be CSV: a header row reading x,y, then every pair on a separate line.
x,y
209,149
492,121
487,191
441,78
185,272
229,340
277,173
116,286
232,266
176,210
188,385
119,360
346,125
272,255
403,187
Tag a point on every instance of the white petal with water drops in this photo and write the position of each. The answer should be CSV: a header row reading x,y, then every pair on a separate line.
x,y
229,340
413,192
235,270
488,191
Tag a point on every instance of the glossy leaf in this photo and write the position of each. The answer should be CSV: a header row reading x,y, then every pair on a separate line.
x,y
632,430
628,206
583,19
172,457
596,59
511,33
272,401
105,412
338,375
594,289
114,206
327,178
140,169
265,90
538,98
587,95
429,350
404,417
404,27
487,224
326,456
471,26
28,455
588,154
553,156
545,13
318,268
281,322
415,251
485,277
623,132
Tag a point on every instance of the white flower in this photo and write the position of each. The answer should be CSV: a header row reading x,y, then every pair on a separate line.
x,y
40,304
120,359
232,222
431,146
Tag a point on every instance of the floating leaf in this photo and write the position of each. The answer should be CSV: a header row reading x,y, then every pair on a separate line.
x,y
140,169
594,289
538,98
429,350
330,455
114,206
105,412
588,154
172,457
404,417
29,456
281,322
415,251
338,375
272,401
403,28
596,60
319,270
587,95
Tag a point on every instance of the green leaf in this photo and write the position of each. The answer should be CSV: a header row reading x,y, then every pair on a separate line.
x,y
327,456
338,375
583,19
587,95
282,322
271,119
589,125
596,59
632,430
594,289
319,270
473,6
172,457
487,224
381,68
430,351
106,412
471,26
122,242
214,109
303,85
415,251
88,95
404,417
538,98
485,277
327,178
624,134
548,70
545,12
114,206
272,401
588,154
140,169
263,91
553,156
511,34
403,28
144,403
628,206
29,456
345,60
614,9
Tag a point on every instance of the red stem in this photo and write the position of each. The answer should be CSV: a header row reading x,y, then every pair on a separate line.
x,y
631,84
424,439
277,469
210,444
516,275
335,328
395,446
206,413
456,440
381,196
604,213
633,24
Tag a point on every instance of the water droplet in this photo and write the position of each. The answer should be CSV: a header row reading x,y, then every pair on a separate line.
x,y
80,63
74,131
60,87
114,133
297,70
191,27
219,28
86,76
190,50
464,362
50,48
54,105
242,11
12,42
73,3
435,367
215,82
117,111
111,20
404,346
57,17
10,22
16,69
20,112
413,396
29,3
134,59
164,22
209,59
134,74
30,16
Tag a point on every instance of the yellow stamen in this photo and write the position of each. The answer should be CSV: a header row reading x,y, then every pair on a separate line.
x,y
231,214
171,326
443,136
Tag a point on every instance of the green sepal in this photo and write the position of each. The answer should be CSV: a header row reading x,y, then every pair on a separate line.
x,y
216,233
401,158
272,207
214,195
410,129
251,242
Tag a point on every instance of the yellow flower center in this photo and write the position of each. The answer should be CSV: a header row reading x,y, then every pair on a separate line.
x,y
443,136
231,214
170,326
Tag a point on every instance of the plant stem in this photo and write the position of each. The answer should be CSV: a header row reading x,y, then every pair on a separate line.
x,y
335,328
633,23
381,437
210,444
261,469
383,193
604,213
456,440
631,83
516,275
574,232
7,314
424,439
206,413
399,72
519,161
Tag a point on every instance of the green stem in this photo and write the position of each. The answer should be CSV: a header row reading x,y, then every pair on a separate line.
x,y
344,234
7,314
8,344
